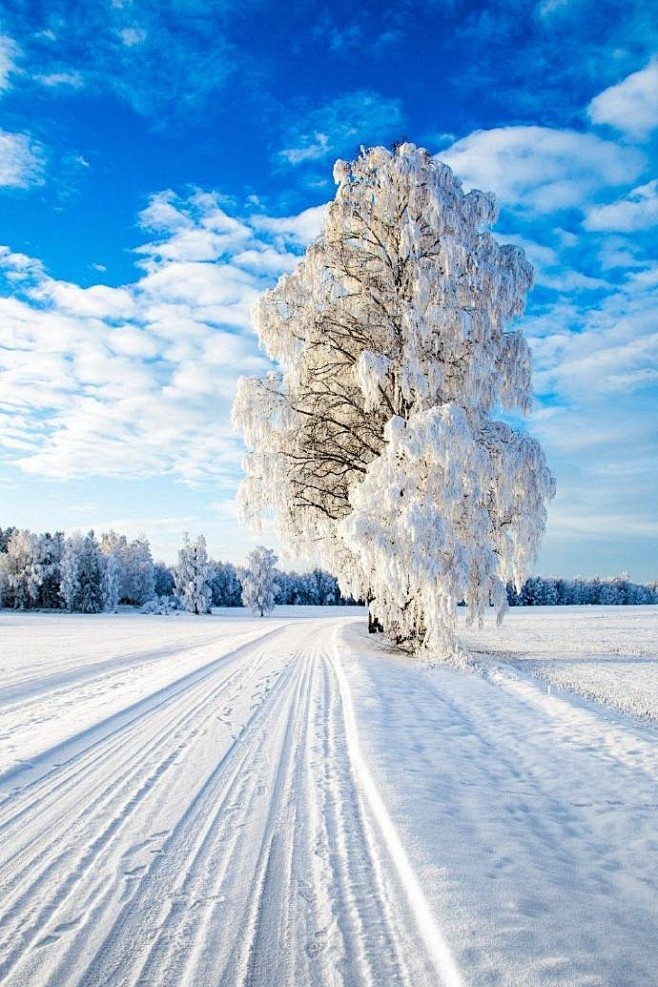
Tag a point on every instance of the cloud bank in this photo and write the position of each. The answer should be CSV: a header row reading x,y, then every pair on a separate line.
x,y
137,381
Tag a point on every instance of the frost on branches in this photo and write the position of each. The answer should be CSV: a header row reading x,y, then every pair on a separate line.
x,y
193,575
258,581
376,444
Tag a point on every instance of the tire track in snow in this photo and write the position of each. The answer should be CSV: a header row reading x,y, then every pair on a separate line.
x,y
270,917
368,945
91,702
46,798
104,731
160,920
43,872
280,866
23,692
387,852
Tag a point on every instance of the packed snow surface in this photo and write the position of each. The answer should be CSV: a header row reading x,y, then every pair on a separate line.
x,y
283,802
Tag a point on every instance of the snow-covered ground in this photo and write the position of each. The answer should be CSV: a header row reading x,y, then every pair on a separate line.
x,y
282,802
606,654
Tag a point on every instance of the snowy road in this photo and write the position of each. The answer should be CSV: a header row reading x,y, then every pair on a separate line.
x,y
276,804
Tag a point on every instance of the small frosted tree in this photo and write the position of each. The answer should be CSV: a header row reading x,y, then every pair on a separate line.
x,y
193,576
23,569
82,569
140,573
111,581
90,569
69,571
258,581
376,444
52,547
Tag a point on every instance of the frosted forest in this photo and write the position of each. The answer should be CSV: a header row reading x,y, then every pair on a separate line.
x,y
87,574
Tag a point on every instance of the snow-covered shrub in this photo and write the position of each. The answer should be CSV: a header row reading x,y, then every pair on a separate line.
x,y
162,605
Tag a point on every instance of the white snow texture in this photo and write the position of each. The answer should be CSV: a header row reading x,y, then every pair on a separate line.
x,y
280,803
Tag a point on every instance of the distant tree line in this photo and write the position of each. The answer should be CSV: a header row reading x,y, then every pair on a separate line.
x,y
91,574
541,591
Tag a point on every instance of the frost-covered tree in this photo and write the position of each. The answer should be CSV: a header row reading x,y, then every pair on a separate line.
x,y
258,581
29,569
376,443
111,581
5,536
139,575
52,547
82,569
115,547
193,575
134,562
163,579
226,588
23,569
90,571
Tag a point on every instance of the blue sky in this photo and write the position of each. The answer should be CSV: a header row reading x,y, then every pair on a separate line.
x,y
162,163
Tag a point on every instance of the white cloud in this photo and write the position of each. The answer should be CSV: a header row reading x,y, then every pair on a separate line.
x,y
132,36
195,229
21,161
540,169
53,79
632,105
637,211
99,301
299,230
192,245
605,350
265,260
619,252
137,381
9,54
163,215
313,147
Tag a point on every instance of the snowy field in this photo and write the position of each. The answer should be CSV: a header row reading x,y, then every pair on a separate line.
x,y
284,803
606,654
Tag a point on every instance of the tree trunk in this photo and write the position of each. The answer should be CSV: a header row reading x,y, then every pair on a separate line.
x,y
373,624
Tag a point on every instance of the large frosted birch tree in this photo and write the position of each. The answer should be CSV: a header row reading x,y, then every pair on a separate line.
x,y
376,443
